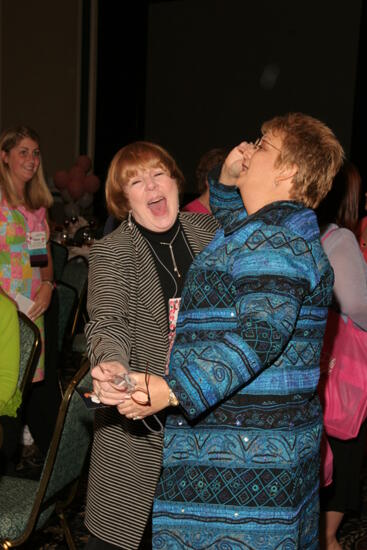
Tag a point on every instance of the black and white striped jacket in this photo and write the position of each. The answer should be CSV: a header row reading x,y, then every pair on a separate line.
x,y
128,323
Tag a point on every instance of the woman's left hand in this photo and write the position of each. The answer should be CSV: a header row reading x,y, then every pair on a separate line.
x,y
41,301
158,392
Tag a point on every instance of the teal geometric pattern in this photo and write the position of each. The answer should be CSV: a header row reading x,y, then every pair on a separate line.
x,y
241,454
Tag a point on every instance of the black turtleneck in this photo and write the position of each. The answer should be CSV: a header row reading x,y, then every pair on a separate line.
x,y
181,252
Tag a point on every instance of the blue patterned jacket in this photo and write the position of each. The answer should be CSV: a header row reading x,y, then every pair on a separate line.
x,y
241,465
253,315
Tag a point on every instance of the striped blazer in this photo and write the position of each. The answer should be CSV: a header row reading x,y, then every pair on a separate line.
x,y
128,323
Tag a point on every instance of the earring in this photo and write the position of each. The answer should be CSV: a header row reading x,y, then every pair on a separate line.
x,y
129,222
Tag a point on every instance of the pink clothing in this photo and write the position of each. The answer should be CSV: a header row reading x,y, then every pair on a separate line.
x,y
16,273
195,206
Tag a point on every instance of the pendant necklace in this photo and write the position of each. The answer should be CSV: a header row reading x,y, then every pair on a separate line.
x,y
176,271
175,268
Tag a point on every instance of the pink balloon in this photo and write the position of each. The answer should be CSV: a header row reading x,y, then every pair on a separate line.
x,y
76,173
84,162
61,179
75,188
91,183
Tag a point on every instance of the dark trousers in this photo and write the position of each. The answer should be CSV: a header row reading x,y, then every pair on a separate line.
x,y
43,400
12,431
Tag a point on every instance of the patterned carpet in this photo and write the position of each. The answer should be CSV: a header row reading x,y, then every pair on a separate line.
x,y
352,535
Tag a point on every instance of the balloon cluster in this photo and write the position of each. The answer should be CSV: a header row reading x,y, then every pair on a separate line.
x,y
79,183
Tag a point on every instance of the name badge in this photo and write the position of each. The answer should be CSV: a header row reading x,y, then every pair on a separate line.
x,y
173,309
36,240
37,247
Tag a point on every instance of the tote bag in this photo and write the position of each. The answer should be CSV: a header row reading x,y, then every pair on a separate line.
x,y
343,377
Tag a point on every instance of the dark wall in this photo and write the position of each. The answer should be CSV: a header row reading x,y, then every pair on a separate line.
x,y
197,74
217,69
120,99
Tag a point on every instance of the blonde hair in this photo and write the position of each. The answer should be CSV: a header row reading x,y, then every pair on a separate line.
x,y
310,145
139,155
36,193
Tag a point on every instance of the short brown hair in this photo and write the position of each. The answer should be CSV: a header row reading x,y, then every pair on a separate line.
x,y
310,145
37,193
125,164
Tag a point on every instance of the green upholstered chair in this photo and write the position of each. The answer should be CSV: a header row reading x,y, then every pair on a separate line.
x,y
30,349
25,504
68,304
76,274
59,255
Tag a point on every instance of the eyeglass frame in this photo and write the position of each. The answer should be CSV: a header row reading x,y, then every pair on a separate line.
x,y
262,139
148,401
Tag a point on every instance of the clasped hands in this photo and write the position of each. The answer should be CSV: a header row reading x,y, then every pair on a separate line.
x,y
151,393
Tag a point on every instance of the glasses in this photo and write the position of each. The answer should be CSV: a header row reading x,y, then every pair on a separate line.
x,y
261,140
146,402
130,386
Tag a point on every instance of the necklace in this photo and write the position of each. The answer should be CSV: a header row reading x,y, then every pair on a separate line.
x,y
170,245
164,267
175,268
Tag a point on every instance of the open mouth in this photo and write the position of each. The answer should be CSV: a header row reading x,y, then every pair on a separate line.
x,y
158,206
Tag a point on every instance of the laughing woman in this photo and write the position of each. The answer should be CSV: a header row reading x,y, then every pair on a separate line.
x,y
241,454
134,272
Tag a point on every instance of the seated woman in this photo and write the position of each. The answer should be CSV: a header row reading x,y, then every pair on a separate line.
x,y
242,453
10,397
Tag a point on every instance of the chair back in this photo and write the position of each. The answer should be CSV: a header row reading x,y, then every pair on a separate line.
x,y
37,500
76,273
30,350
68,303
59,255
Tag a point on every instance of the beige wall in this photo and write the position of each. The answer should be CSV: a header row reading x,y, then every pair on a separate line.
x,y
40,74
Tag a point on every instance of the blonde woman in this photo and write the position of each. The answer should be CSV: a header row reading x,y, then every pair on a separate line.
x,y
26,271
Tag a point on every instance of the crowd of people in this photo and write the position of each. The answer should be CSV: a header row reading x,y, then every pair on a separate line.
x,y
205,332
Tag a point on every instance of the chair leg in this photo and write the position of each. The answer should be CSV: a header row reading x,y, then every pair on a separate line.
x,y
67,532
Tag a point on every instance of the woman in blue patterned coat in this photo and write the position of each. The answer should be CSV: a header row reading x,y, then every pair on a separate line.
x,y
241,454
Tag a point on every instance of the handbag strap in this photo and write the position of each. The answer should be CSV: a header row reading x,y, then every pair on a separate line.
x,y
328,234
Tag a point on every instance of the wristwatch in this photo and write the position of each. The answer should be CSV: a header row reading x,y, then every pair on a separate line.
x,y
172,399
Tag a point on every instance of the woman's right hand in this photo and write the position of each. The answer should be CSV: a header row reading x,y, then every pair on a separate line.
x,y
107,392
236,162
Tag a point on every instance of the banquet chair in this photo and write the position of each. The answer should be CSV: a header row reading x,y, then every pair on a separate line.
x,y
76,274
68,304
59,255
30,350
26,504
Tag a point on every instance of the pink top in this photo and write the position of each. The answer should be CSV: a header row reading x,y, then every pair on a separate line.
x,y
16,273
196,206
